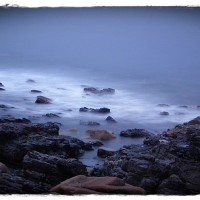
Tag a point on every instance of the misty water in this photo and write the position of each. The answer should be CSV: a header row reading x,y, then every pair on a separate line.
x,y
150,56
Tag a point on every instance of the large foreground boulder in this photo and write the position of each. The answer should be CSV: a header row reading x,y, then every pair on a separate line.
x,y
96,185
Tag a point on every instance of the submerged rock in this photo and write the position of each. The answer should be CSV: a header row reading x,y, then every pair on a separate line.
x,y
89,123
101,134
100,110
4,107
1,84
163,105
96,185
2,89
183,106
51,115
110,119
36,91
135,133
43,100
99,91
30,81
164,113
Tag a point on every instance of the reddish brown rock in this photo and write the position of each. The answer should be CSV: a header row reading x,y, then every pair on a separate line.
x,y
96,185
101,134
4,168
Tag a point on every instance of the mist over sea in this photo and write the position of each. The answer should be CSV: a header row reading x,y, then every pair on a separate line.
x,y
150,56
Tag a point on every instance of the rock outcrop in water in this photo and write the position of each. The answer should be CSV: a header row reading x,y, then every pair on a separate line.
x,y
99,91
36,91
1,84
135,133
43,100
92,110
34,158
38,157
166,164
101,134
110,119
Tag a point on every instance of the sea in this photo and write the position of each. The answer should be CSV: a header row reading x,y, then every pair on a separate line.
x,y
149,55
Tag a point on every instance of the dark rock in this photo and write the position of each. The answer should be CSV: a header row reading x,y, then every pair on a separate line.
x,y
51,115
163,105
36,91
55,169
172,186
13,184
1,85
105,152
97,91
43,100
2,89
195,121
151,141
3,168
96,143
167,164
61,89
149,185
10,119
135,133
100,110
4,107
183,106
30,81
110,119
164,113
89,123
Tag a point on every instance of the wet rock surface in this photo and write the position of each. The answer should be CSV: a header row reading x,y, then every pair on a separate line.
x,y
43,100
135,133
99,91
110,119
89,123
36,156
36,91
100,110
105,152
164,113
30,81
51,115
166,164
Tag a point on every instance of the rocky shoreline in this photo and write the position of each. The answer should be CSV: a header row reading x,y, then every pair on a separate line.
x,y
34,158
